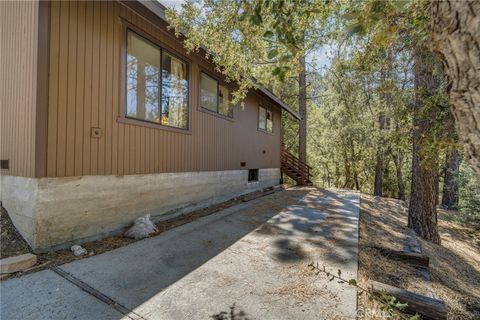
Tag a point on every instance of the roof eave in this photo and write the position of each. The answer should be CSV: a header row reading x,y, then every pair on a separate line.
x,y
282,104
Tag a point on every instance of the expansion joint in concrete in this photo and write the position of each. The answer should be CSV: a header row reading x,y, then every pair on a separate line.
x,y
97,294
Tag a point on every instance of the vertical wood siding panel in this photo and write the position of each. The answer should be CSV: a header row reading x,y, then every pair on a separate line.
x,y
161,152
153,149
4,86
114,87
22,154
13,90
147,151
156,167
62,89
18,163
33,96
88,87
102,94
109,91
18,75
96,35
53,89
141,149
71,90
80,79
92,43
117,148
136,148
17,87
129,161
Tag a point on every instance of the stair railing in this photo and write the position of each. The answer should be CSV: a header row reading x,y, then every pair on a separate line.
x,y
291,161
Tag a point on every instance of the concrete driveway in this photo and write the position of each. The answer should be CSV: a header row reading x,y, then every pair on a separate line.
x,y
252,257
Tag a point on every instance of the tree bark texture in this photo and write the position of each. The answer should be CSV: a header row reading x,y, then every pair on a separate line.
x,y
456,36
422,214
377,189
302,107
450,180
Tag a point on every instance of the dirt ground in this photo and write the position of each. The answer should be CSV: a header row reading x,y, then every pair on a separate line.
x,y
454,265
11,242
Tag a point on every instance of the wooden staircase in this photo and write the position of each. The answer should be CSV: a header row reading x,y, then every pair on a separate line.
x,y
296,169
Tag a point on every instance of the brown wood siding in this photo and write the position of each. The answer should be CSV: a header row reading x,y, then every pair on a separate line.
x,y
18,56
84,92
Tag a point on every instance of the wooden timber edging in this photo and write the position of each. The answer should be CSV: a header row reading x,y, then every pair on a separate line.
x,y
426,307
415,259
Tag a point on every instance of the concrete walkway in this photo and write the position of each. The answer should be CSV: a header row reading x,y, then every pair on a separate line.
x,y
252,257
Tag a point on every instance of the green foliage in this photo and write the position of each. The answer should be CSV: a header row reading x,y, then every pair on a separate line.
x,y
256,42
344,132
469,197
251,42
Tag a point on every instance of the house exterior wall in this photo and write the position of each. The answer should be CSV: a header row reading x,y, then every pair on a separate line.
x,y
18,59
61,77
85,92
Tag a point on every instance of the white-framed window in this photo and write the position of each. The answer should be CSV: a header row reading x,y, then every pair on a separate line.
x,y
265,119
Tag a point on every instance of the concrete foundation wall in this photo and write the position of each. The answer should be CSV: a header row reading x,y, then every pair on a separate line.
x,y
18,196
56,212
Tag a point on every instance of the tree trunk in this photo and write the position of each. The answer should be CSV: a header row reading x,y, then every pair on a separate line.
x,y
302,107
337,175
398,160
450,180
456,36
422,214
354,166
377,191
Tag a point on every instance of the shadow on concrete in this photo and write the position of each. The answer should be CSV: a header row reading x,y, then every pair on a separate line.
x,y
329,222
133,275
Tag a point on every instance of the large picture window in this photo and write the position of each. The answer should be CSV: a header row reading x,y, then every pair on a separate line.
x,y
214,96
156,84
265,119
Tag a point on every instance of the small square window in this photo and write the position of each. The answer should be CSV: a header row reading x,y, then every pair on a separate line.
x,y
252,175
